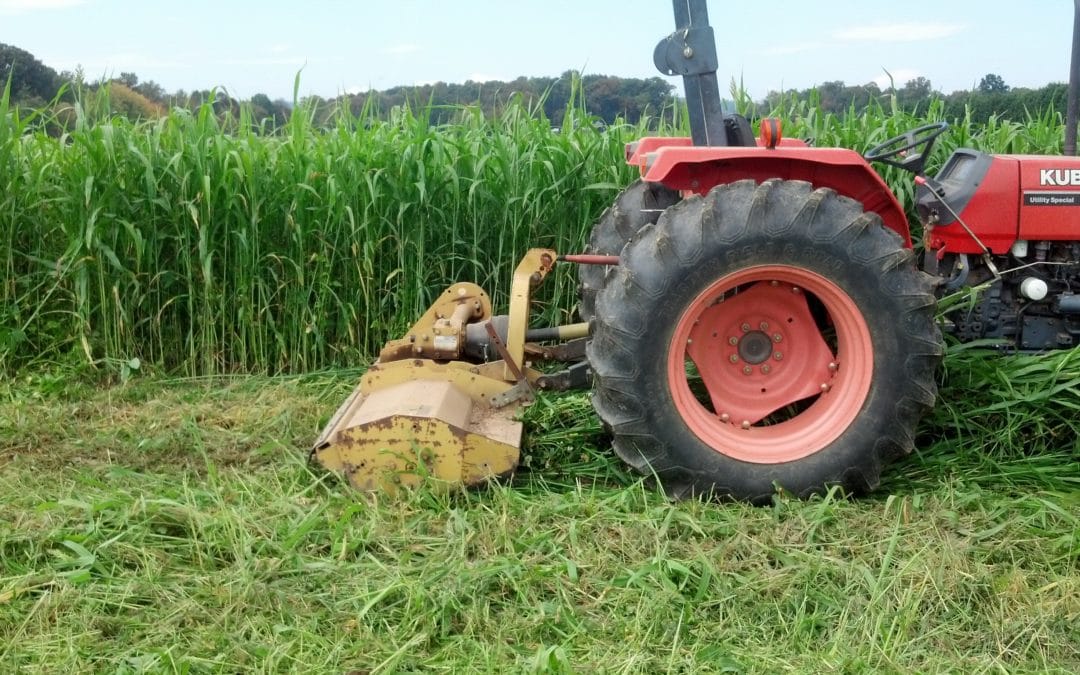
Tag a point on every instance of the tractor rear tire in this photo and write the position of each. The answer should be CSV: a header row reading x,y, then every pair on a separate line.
x,y
763,337
638,205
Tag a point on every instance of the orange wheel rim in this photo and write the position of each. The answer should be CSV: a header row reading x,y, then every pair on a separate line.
x,y
770,364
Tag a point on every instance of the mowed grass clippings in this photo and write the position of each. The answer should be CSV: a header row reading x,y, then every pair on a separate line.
x,y
176,526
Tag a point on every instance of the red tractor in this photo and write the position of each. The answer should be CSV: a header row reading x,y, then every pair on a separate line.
x,y
767,322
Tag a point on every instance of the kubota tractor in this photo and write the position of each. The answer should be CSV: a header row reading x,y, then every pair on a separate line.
x,y
755,316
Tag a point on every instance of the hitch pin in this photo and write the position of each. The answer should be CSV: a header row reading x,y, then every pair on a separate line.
x,y
590,259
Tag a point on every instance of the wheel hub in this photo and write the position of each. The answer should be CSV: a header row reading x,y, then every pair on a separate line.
x,y
759,350
755,347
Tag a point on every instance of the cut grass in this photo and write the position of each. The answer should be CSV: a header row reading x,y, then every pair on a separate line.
x,y
176,526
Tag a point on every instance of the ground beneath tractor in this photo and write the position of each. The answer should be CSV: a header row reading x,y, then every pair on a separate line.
x,y
166,525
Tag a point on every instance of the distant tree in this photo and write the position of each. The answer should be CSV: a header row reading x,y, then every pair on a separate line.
x,y
864,95
30,79
129,103
151,90
75,80
262,102
129,80
263,109
993,84
915,93
832,95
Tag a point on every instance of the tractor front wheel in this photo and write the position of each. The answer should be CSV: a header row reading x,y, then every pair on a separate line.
x,y
764,336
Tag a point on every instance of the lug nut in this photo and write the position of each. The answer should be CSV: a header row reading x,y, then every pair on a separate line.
x,y
725,418
766,369
747,370
764,325
746,328
833,366
796,290
774,283
734,358
777,337
825,386
779,356
746,424
733,341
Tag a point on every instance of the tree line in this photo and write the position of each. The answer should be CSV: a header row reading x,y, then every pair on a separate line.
x,y
991,97
608,98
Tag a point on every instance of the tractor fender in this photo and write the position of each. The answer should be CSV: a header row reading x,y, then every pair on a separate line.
x,y
698,169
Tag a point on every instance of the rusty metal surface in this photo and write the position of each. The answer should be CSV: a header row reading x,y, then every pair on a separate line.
x,y
482,382
529,273
440,332
420,431
573,350
421,414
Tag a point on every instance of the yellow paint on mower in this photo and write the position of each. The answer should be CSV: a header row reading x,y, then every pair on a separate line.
x,y
423,413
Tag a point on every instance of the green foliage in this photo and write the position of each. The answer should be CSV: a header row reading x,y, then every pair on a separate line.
x,y
200,249
991,99
198,243
120,99
609,98
32,82
992,83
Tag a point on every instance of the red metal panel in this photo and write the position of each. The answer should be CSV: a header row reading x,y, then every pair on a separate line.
x,y
699,169
1050,199
637,151
992,213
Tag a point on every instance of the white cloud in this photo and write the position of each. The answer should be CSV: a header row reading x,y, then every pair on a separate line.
x,y
27,6
401,50
900,77
897,32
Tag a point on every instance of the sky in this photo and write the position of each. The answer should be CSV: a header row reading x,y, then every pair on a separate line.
x,y
338,46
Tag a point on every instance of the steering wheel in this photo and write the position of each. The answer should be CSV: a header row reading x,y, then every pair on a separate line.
x,y
921,138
